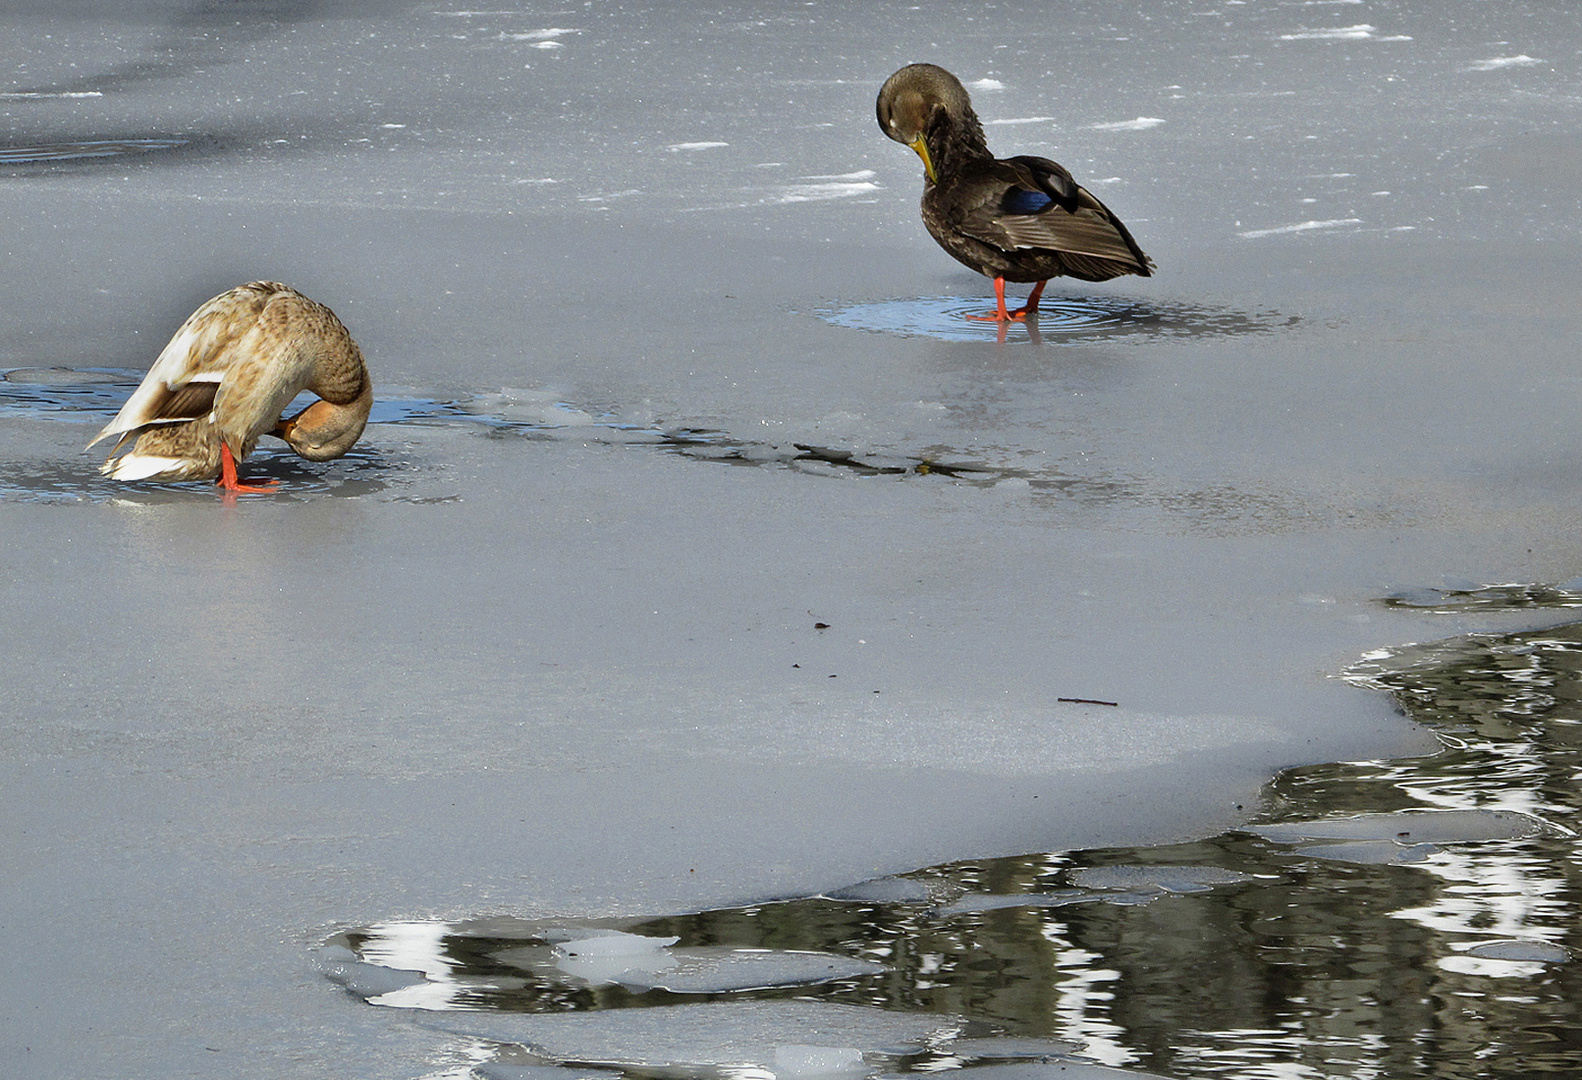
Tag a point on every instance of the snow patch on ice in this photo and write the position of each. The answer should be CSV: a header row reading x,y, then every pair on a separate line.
x,y
987,84
823,188
1023,120
676,148
1142,123
1306,226
34,95
546,34
1360,32
1499,63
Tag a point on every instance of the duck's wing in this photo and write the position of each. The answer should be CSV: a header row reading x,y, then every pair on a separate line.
x,y
182,383
1033,203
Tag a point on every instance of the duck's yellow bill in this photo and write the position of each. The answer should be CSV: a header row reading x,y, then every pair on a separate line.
x,y
928,163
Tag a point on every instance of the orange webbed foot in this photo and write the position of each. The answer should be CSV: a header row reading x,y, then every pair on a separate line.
x,y
1020,314
228,482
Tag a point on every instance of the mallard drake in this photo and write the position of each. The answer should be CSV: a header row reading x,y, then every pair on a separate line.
x,y
225,377
1012,219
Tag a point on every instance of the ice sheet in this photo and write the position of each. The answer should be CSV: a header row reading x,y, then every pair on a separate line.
x,y
556,659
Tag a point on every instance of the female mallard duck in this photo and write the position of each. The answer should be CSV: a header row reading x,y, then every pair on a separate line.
x,y
225,377
1017,219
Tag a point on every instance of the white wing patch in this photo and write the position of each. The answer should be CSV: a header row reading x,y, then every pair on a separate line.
x,y
139,467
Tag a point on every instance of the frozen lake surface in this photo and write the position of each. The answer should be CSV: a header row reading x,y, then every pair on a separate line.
x,y
534,651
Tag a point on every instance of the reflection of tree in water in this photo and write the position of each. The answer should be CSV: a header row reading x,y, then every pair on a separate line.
x,y
1315,967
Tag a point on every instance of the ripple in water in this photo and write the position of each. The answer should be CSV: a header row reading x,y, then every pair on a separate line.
x,y
1062,320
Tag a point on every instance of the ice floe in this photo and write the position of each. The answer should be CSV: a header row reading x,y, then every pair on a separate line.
x,y
687,1037
640,963
1540,952
1171,879
1402,837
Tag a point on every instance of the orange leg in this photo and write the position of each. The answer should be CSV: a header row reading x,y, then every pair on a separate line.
x,y
1001,315
1031,307
228,481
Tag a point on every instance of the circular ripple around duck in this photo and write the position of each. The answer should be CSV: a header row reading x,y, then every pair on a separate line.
x,y
1060,320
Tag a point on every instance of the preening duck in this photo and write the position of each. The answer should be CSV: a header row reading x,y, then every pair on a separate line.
x,y
1012,219
225,377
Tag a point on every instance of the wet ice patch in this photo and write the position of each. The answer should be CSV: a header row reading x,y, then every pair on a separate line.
x,y
1541,952
1060,319
63,393
539,408
1406,836
340,965
691,1039
810,1061
641,964
1511,958
889,890
990,1048
1471,596
1165,879
977,902
1126,885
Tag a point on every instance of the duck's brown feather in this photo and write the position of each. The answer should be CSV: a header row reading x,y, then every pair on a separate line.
x,y
1022,218
225,377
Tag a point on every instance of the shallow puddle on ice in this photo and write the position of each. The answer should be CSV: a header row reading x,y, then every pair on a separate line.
x,y
1409,918
96,394
1060,319
93,395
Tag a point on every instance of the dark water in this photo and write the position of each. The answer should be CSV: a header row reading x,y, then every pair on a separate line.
x,y
1410,918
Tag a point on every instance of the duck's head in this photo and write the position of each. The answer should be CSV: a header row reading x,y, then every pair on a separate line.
x,y
325,430
924,99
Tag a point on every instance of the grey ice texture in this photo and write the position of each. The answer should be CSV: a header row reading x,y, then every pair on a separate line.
x,y
547,665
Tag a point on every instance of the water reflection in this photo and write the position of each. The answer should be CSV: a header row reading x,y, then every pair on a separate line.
x,y
1412,918
1060,319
